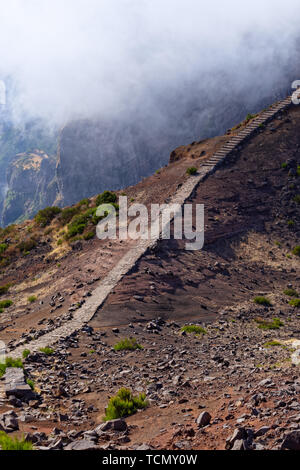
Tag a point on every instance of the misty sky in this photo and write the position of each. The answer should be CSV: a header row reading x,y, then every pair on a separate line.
x,y
80,58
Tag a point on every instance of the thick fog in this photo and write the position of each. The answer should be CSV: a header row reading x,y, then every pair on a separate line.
x,y
81,58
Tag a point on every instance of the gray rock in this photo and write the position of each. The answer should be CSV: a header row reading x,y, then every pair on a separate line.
x,y
9,422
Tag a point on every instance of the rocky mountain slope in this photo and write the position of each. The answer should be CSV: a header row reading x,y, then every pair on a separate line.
x,y
232,385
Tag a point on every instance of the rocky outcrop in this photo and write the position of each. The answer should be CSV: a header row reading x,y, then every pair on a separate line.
x,y
30,186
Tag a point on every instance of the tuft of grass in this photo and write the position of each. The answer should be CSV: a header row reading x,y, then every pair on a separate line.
x,y
297,199
129,344
291,293
45,216
107,197
31,299
13,443
4,289
191,171
275,324
48,351
6,303
25,353
262,301
295,303
272,344
30,383
291,223
197,330
124,404
3,248
296,251
10,362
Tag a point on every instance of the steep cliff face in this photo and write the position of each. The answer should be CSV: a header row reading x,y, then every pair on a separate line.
x,y
30,186
94,156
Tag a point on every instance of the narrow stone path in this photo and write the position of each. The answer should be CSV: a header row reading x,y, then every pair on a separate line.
x,y
129,260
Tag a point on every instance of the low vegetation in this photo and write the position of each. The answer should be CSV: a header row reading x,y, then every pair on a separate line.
x,y
4,289
31,299
129,344
48,351
296,251
274,324
262,301
107,197
13,443
30,383
197,330
124,404
10,362
272,344
192,171
45,216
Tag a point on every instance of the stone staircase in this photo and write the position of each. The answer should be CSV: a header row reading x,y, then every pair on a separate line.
x,y
129,260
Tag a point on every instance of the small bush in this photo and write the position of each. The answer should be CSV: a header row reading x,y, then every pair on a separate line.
x,y
45,216
129,344
296,251
197,330
89,235
124,404
31,299
48,351
30,383
25,353
13,443
192,171
291,223
295,303
262,301
275,324
297,199
291,293
67,214
284,166
4,289
10,362
107,197
6,303
272,344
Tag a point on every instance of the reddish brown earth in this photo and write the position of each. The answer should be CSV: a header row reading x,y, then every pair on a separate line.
x,y
248,252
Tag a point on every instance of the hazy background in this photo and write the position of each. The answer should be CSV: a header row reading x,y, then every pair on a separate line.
x,y
80,58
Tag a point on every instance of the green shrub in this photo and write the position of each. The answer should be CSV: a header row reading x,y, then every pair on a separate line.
x,y
296,251
4,289
31,299
25,353
6,303
284,165
124,404
48,351
291,293
192,171
129,344
275,324
3,247
10,362
291,223
30,383
107,197
1,310
27,245
262,301
295,303
45,216
67,214
198,330
89,235
297,199
271,344
13,443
